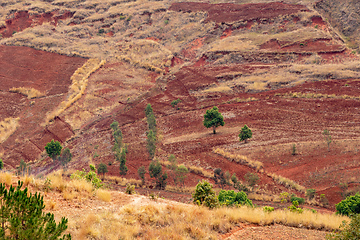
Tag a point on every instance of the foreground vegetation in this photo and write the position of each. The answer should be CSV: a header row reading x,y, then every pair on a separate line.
x,y
153,217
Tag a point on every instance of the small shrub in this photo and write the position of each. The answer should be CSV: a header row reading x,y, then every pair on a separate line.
x,y
294,207
293,150
251,178
310,193
245,134
204,194
130,189
102,169
284,197
47,185
323,200
298,199
90,176
141,173
268,209
175,102
101,31
1,164
231,198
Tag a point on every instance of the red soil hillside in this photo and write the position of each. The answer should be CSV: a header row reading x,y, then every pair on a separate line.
x,y
279,68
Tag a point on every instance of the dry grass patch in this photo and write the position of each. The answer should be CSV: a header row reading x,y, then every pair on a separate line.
x,y
7,127
287,182
77,88
239,159
103,195
6,178
123,181
29,92
180,221
316,95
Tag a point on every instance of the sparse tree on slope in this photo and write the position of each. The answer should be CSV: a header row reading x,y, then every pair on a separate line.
x,y
245,134
53,149
213,118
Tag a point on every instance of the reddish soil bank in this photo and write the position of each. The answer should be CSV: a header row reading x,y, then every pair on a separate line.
x,y
308,46
46,72
22,20
229,12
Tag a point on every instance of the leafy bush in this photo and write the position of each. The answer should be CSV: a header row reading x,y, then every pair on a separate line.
x,y
65,157
175,103
22,217
90,176
141,173
155,171
130,189
231,198
294,207
310,193
349,231
204,195
1,164
268,209
102,169
245,134
53,149
298,199
349,206
213,118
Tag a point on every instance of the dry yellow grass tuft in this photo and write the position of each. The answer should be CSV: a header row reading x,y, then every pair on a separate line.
x,y
6,178
239,159
78,86
103,195
287,182
316,95
29,92
7,127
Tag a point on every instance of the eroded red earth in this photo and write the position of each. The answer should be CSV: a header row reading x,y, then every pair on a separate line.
x,y
277,119
21,20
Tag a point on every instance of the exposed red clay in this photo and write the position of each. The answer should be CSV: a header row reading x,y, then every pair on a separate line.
x,y
22,20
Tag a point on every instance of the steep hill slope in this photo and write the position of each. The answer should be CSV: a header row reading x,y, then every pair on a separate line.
x,y
278,67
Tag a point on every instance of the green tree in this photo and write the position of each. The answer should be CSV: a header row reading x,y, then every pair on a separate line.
x,y
23,168
251,178
141,172
155,171
102,169
53,149
148,110
327,138
245,133
22,217
205,195
151,122
173,167
219,177
1,164
181,172
151,144
123,167
349,206
213,118
65,157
